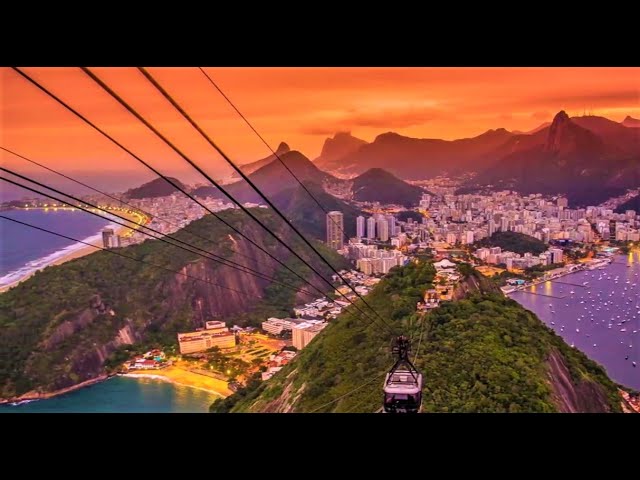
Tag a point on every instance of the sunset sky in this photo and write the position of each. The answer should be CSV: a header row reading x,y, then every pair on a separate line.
x,y
302,106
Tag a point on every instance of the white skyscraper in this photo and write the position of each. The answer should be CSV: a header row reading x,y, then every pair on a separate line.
x,y
335,226
383,229
108,240
391,220
492,227
371,227
360,227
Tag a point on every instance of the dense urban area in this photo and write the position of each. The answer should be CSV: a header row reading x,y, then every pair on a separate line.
x,y
516,240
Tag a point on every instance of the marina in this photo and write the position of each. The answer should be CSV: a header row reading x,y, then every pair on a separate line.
x,y
602,319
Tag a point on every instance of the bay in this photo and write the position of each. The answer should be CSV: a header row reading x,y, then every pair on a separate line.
x,y
122,395
600,317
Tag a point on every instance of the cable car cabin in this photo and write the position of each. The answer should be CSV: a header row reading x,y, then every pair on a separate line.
x,y
403,384
403,391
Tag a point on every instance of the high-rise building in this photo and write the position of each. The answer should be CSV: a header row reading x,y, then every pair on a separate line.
x,y
492,227
391,220
383,229
360,226
563,202
335,225
371,227
107,238
556,255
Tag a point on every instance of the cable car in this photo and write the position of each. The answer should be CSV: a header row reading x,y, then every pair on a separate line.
x,y
403,383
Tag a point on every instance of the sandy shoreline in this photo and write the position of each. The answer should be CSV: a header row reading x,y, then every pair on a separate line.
x,y
169,380
185,378
80,252
176,376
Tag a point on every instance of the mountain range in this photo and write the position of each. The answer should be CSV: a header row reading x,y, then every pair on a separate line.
x,y
588,158
374,185
249,168
342,143
418,158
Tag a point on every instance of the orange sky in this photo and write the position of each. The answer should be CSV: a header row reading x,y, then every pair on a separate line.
x,y
301,106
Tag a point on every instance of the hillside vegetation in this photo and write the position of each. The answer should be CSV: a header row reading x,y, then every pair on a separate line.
x,y
632,204
484,353
378,185
158,187
513,242
61,326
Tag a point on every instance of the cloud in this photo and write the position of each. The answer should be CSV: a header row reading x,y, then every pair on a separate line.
x,y
321,130
389,118
612,98
541,116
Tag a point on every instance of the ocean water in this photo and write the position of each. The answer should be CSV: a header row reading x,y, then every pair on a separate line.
x,y
601,317
24,249
122,395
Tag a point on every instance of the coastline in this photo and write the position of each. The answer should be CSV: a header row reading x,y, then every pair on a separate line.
x,y
169,380
71,255
80,252
185,378
30,396
578,267
176,376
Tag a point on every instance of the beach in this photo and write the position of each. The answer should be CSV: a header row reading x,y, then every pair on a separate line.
x,y
187,378
68,253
